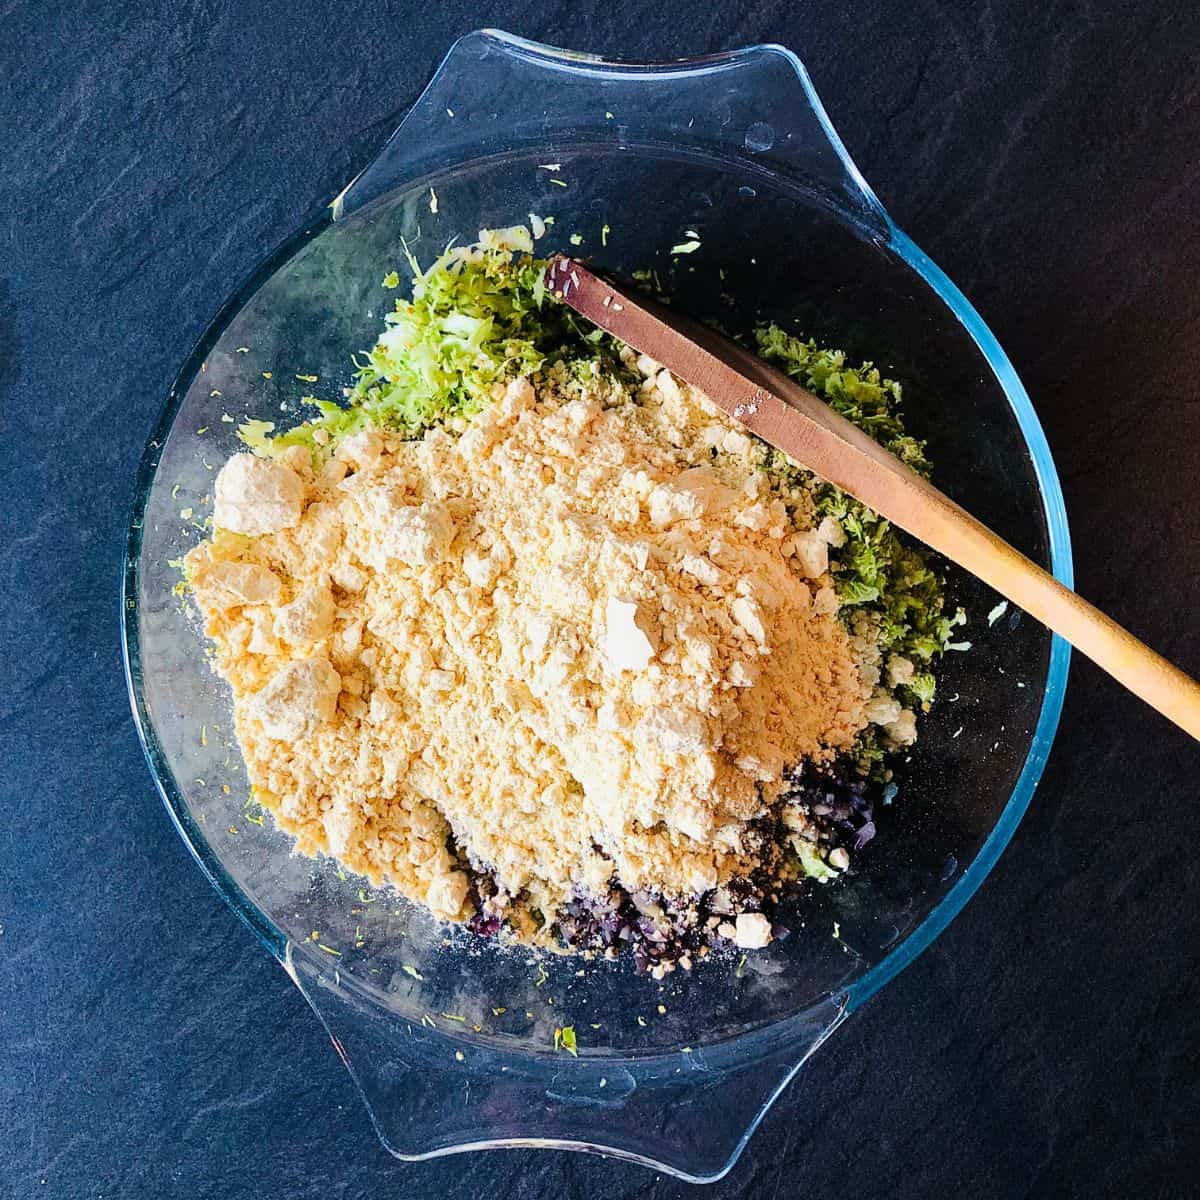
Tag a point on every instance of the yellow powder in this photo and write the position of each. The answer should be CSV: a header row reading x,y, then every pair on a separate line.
x,y
574,646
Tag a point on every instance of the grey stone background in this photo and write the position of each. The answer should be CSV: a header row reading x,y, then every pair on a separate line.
x,y
1047,156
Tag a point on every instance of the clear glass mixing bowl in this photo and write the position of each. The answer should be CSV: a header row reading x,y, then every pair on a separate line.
x,y
451,1037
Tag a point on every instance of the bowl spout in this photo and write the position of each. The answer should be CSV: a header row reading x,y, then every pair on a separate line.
x,y
430,1093
498,94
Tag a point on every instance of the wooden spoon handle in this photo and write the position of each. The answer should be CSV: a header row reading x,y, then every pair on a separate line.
x,y
791,418
861,467
1145,673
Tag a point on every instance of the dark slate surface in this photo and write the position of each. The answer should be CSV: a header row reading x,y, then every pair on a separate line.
x,y
1045,155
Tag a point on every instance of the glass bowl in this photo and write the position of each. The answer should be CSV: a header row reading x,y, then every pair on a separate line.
x,y
450,1037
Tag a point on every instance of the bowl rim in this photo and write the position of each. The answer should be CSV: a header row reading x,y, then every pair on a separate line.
x,y
1059,549
1057,667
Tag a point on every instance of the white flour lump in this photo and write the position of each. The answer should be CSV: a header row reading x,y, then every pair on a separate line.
x,y
575,646
255,495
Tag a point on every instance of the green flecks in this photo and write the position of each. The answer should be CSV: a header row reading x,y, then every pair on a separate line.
x,y
256,434
542,976
308,378
455,1017
411,970
812,864
329,950
433,201
391,280
605,230
922,688
645,275
687,247
559,182
564,1039
499,1011
576,239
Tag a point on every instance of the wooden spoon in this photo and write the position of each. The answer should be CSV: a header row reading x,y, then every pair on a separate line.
x,y
790,418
